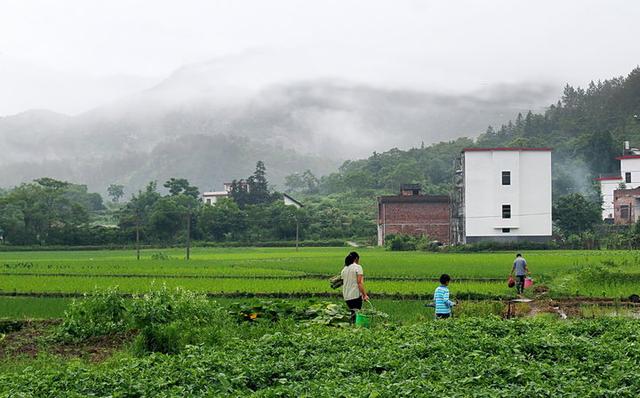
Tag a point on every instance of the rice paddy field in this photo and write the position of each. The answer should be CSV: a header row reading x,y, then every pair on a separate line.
x,y
265,322
43,281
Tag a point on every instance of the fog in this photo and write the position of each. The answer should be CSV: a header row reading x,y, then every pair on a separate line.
x,y
91,83
456,46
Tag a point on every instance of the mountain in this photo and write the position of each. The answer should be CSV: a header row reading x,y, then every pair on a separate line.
x,y
199,125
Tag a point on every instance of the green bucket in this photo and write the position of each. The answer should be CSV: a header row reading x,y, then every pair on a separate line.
x,y
362,320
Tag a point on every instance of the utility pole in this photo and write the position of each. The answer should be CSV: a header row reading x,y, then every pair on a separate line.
x,y
297,232
137,236
188,233
289,201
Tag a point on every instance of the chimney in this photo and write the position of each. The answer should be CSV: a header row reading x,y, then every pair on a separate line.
x,y
626,146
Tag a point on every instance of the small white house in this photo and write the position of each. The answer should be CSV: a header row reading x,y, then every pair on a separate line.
x,y
211,198
506,194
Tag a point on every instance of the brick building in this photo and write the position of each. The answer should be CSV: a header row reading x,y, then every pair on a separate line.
x,y
626,206
412,213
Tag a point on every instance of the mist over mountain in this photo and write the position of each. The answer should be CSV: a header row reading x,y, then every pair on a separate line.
x,y
198,125
34,86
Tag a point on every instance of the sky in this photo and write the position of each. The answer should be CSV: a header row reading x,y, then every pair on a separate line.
x,y
72,55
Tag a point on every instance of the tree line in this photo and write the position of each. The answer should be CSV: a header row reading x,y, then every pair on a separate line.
x,y
52,212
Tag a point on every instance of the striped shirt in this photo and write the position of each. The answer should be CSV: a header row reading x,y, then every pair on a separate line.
x,y
441,297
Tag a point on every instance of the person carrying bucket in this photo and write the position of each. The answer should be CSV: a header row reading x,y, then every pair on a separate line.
x,y
353,290
521,271
441,298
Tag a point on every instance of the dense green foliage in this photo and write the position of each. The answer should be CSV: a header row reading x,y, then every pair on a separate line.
x,y
51,212
252,214
430,166
480,357
46,211
574,214
100,313
166,320
410,242
115,192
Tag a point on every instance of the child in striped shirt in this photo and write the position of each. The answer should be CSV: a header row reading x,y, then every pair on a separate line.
x,y
441,297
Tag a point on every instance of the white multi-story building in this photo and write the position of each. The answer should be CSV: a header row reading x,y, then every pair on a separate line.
x,y
629,178
506,194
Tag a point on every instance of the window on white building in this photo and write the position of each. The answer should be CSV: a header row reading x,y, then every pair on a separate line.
x,y
506,230
506,178
506,211
627,177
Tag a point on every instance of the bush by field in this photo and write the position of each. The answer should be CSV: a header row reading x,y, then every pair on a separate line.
x,y
162,316
97,314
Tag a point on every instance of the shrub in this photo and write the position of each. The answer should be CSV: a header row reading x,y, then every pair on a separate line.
x,y
405,242
490,246
160,256
98,314
165,317
162,306
173,337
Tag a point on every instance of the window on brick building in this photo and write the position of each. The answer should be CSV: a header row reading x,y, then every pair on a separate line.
x,y
506,211
627,177
506,178
625,214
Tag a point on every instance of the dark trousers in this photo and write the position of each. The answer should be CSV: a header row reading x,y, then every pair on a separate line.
x,y
443,316
520,283
353,305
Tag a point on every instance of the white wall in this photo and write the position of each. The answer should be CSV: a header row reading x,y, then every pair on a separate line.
x,y
529,193
606,189
213,197
630,166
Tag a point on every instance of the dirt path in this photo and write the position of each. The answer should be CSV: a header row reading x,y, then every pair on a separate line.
x,y
30,338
